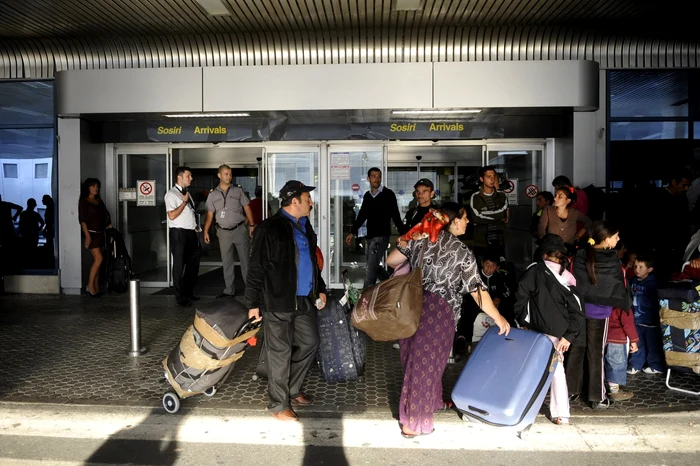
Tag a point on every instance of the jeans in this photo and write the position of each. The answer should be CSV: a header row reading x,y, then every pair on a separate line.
x,y
616,363
651,351
376,247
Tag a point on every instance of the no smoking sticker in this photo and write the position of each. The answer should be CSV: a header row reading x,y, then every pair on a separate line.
x,y
146,193
531,191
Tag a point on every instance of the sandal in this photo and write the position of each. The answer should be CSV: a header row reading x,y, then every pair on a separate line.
x,y
407,435
560,421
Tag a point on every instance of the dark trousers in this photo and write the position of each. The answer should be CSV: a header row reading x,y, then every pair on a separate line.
x,y
291,341
651,351
185,248
588,361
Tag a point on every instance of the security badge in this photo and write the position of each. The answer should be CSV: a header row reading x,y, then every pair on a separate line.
x,y
223,213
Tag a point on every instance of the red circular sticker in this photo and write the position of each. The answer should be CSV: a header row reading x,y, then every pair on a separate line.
x,y
531,191
510,188
146,188
355,187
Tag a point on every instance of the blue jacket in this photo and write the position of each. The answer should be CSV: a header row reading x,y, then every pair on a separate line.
x,y
645,300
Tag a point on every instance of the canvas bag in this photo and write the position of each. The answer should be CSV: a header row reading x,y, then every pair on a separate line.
x,y
391,310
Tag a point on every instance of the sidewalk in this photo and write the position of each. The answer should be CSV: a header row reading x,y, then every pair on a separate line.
x,y
71,350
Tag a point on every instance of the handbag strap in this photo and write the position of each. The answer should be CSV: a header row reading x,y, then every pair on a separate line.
x,y
425,246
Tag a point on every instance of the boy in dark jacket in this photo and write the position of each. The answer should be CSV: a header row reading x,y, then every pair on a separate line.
x,y
646,319
547,302
496,281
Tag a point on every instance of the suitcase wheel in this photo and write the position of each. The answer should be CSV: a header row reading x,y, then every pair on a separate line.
x,y
171,402
211,391
255,377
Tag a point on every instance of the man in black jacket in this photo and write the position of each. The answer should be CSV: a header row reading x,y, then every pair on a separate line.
x,y
379,207
424,194
284,282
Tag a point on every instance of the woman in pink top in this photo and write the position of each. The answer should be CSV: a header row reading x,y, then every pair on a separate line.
x,y
563,220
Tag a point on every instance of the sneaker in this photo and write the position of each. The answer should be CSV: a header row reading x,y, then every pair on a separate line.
x,y
396,346
633,371
600,405
649,370
621,395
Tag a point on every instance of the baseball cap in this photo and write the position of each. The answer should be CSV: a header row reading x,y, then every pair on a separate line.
x,y
293,188
424,182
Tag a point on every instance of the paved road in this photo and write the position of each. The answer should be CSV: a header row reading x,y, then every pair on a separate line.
x,y
69,434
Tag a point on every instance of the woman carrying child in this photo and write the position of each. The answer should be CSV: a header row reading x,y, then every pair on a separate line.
x,y
547,302
600,280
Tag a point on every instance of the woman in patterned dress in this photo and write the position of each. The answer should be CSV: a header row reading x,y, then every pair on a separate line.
x,y
449,271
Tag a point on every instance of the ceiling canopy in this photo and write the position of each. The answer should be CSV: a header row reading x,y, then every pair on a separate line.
x,y
79,18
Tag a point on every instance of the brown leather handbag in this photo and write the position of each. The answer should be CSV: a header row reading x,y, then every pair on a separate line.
x,y
391,310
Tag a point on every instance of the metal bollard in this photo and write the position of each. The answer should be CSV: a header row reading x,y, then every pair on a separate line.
x,y
135,314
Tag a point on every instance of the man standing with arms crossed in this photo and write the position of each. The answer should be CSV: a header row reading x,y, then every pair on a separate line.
x,y
379,207
184,244
285,284
230,207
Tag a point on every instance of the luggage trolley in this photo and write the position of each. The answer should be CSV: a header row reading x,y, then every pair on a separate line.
x,y
192,367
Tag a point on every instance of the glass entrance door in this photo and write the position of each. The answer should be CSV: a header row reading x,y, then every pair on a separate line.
x,y
348,184
523,168
142,218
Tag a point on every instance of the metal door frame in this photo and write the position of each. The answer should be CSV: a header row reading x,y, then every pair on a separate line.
x,y
146,149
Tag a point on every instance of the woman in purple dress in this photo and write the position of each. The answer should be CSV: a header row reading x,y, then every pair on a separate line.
x,y
449,271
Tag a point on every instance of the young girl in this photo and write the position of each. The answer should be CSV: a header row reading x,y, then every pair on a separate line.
x,y
600,280
547,302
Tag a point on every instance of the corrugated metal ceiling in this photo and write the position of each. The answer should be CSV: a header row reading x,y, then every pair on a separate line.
x,y
78,18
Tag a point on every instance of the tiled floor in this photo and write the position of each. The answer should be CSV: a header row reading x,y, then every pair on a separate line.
x,y
70,349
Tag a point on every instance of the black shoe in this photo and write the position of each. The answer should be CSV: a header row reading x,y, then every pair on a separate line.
x,y
600,405
183,301
224,295
194,298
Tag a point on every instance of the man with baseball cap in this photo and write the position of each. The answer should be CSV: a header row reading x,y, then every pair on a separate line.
x,y
424,192
285,288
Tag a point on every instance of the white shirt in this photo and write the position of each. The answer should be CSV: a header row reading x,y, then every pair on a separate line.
x,y
186,219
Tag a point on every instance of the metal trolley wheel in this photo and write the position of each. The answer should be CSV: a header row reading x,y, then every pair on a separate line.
x,y
171,402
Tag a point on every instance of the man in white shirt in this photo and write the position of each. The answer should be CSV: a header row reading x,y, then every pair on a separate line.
x,y
184,244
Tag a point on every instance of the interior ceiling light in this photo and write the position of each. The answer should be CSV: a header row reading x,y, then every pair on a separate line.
x,y
214,7
207,115
408,5
434,112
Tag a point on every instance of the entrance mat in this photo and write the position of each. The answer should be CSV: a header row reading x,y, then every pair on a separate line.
x,y
209,284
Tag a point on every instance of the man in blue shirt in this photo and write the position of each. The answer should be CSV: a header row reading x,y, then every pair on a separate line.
x,y
285,288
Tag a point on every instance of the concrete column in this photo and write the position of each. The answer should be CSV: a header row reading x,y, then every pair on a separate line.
x,y
69,238
589,162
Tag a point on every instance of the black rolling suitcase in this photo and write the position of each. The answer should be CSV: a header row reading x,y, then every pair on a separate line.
x,y
118,262
208,350
342,349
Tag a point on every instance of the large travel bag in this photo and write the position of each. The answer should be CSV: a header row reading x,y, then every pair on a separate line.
x,y
341,352
506,379
208,350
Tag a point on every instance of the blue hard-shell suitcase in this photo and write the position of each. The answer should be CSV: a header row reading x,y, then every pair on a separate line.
x,y
505,381
342,349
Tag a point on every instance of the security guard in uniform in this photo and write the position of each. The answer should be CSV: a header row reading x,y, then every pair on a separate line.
x,y
229,206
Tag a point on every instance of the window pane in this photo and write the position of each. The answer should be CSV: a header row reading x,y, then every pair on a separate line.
x,y
648,94
10,170
26,103
41,170
639,130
